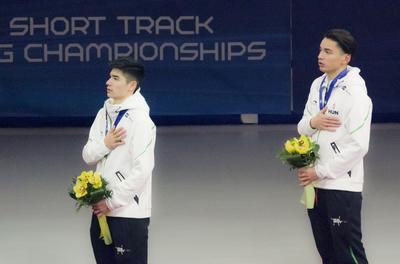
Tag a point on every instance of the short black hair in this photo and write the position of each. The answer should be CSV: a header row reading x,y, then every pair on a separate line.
x,y
131,68
344,39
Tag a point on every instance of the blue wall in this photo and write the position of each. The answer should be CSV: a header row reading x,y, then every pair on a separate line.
x,y
268,40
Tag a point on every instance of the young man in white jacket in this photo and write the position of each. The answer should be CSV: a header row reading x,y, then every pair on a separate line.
x,y
121,145
337,116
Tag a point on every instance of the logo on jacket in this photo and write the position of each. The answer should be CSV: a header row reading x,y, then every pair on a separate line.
x,y
344,88
333,110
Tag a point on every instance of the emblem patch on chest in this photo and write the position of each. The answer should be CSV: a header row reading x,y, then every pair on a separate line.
x,y
333,112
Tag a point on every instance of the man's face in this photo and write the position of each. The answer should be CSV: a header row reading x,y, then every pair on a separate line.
x,y
118,87
331,57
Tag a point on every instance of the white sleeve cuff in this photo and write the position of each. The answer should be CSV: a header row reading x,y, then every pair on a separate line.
x,y
103,148
320,171
109,204
305,128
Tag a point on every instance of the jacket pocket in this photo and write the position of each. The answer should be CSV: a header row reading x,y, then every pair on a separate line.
x,y
336,150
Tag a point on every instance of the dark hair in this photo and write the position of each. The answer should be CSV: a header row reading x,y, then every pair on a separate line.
x,y
344,39
132,69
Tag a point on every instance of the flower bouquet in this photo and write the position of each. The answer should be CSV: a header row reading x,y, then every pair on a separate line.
x,y
297,153
90,188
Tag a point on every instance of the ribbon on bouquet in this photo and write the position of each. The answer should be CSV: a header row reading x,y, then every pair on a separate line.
x,y
308,197
104,230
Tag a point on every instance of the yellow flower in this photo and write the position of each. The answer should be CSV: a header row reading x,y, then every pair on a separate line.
x,y
289,146
91,178
80,189
84,177
97,181
304,145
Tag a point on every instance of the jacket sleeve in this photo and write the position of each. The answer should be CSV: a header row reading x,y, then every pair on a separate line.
x,y
354,146
142,164
303,127
95,149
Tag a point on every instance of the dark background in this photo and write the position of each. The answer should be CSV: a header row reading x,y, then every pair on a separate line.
x,y
204,92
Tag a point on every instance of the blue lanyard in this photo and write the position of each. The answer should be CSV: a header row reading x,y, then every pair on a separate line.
x,y
119,117
328,93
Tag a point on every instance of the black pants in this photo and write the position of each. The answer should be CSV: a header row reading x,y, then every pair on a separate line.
x,y
336,225
129,237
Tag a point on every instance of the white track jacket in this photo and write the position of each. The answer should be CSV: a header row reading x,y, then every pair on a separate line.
x,y
340,166
127,168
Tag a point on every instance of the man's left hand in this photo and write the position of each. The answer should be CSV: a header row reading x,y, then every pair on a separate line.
x,y
100,208
307,175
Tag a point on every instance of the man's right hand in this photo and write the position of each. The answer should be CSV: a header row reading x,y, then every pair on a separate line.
x,y
324,122
115,138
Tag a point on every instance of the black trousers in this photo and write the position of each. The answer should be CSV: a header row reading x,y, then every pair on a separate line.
x,y
336,225
129,237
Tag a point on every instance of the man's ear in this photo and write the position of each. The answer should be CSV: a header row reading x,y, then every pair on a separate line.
x,y
347,58
133,85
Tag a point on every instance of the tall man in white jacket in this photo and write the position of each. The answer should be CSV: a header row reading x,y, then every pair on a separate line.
x,y
337,116
121,145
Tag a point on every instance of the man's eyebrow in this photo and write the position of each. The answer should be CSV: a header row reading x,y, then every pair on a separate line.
x,y
114,75
321,48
